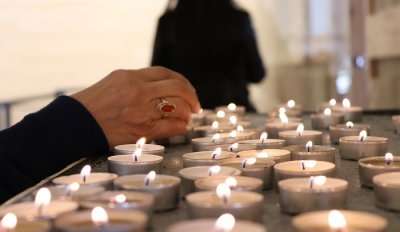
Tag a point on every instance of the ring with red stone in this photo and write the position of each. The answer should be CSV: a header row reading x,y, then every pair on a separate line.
x,y
165,107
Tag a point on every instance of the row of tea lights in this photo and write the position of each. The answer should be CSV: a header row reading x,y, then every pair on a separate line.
x,y
223,179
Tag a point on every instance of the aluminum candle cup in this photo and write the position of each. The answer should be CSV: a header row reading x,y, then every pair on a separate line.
x,y
273,128
29,226
303,168
30,211
294,138
74,192
164,188
352,148
298,195
190,175
117,221
372,166
264,144
387,190
317,152
223,140
126,165
122,200
330,221
243,205
102,179
205,158
261,169
343,130
128,149
323,121
237,183
209,225
277,155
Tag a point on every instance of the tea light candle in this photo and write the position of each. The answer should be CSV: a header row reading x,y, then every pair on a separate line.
x,y
146,148
303,168
263,143
251,167
387,190
372,166
339,221
238,183
74,191
277,155
136,163
274,128
232,108
10,223
298,195
122,200
205,158
43,207
98,219
190,175
343,130
351,113
224,223
223,140
301,136
211,204
357,147
164,188
87,177
322,121
238,147
313,152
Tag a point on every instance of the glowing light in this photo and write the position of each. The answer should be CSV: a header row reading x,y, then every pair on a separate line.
x,y
215,138
99,216
389,158
43,197
336,220
232,107
215,125
150,177
332,102
263,155
306,164
263,137
363,135
328,112
233,120
349,124
300,129
140,143
9,221
225,223
221,114
317,181
85,172
239,128
248,162
233,134
73,187
234,147
309,146
223,192
284,118
120,198
137,153
282,110
346,103
214,170
291,103
216,153
231,182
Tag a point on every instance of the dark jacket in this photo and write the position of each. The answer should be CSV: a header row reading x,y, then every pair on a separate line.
x,y
213,44
45,142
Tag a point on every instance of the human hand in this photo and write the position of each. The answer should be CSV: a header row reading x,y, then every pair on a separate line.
x,y
125,104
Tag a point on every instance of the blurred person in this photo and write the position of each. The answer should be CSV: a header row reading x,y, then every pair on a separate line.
x,y
213,44
124,106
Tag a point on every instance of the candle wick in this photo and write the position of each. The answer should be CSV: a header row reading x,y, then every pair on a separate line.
x,y
214,155
237,156
147,182
308,149
136,158
244,164
388,162
303,166
84,179
311,184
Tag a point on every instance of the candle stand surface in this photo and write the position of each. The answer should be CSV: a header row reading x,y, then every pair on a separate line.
x,y
359,198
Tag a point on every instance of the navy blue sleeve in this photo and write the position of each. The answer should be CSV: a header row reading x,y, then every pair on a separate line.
x,y
45,142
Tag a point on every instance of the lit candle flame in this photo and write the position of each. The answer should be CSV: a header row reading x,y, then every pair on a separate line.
x,y
221,114
99,216
263,137
42,199
234,147
85,173
327,112
232,107
140,143
363,135
223,192
349,124
215,138
306,164
137,153
9,221
346,103
120,198
233,134
332,102
389,158
291,103
214,170
73,187
216,153
150,177
248,162
309,146
317,181
336,220
300,129
225,223
284,118
239,128
215,125
282,110
263,155
233,120
231,182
